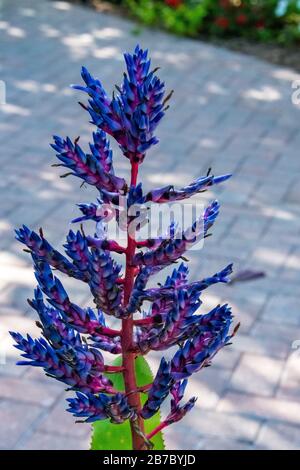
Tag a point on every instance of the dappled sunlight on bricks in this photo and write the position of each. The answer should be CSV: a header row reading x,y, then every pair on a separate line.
x,y
242,121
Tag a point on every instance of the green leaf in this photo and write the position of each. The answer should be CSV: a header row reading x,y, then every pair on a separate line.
x,y
108,436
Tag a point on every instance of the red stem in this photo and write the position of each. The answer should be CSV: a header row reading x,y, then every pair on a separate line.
x,y
145,388
142,243
144,321
113,369
159,428
134,173
128,357
108,331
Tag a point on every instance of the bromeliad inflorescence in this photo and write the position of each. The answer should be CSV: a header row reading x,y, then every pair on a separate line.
x,y
74,338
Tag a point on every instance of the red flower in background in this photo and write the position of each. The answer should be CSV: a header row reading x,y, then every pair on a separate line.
x,y
241,19
224,3
260,24
174,3
222,22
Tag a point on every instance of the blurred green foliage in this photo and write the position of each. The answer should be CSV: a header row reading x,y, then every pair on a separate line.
x,y
264,20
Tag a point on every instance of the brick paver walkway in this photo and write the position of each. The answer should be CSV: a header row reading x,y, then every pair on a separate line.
x,y
229,111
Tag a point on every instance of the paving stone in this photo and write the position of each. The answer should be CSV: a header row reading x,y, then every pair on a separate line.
x,y
60,422
224,444
47,441
286,334
247,227
245,307
291,269
240,122
278,436
18,418
283,309
261,345
257,374
30,391
273,285
8,368
210,385
269,259
188,440
226,425
15,293
287,411
290,379
8,353
227,359
293,194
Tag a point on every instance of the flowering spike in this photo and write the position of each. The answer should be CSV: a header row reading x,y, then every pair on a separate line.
x,y
77,367
105,245
101,406
132,116
88,167
169,194
180,411
73,338
177,392
172,322
101,151
159,390
104,274
197,352
42,249
83,320
89,212
171,250
51,321
139,294
105,343
98,212
77,249
58,321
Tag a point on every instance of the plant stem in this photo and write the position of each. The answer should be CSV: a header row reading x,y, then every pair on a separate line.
x,y
128,358
159,428
113,369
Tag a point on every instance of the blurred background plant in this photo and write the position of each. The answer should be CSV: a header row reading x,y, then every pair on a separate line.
x,y
178,16
265,20
260,20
